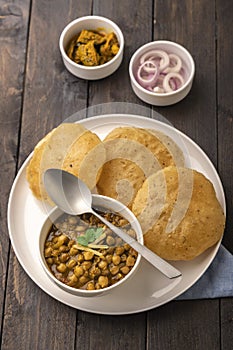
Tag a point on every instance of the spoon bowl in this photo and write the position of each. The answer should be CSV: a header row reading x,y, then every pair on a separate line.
x,y
72,195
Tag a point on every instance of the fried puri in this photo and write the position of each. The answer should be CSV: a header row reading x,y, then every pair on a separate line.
x,y
133,154
179,213
71,147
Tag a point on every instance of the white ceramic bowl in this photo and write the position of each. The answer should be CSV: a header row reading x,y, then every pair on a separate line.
x,y
94,23
169,98
98,201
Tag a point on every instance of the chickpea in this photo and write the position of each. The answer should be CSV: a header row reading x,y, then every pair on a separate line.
x,y
62,268
63,248
126,246
88,255
90,286
73,251
130,261
55,252
60,241
83,280
97,286
103,281
114,270
71,242
80,258
71,263
123,257
116,259
49,261
86,265
119,250
133,252
119,241
123,222
48,252
110,240
94,272
56,260
78,271
73,280
102,264
124,270
119,276
105,272
108,258
64,257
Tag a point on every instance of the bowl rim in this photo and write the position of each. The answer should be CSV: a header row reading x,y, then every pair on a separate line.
x,y
91,17
84,292
165,42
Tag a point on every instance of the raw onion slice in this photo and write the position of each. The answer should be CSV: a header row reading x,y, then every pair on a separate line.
x,y
164,58
175,64
169,84
144,78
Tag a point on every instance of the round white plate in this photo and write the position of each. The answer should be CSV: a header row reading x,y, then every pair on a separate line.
x,y
148,288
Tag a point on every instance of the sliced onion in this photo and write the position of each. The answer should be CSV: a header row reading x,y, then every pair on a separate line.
x,y
151,78
166,81
178,64
164,58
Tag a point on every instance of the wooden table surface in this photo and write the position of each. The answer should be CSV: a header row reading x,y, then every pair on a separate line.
x,y
37,93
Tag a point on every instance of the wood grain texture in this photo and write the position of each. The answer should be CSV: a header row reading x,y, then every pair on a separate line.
x,y
111,332
191,23
185,326
13,34
224,12
137,23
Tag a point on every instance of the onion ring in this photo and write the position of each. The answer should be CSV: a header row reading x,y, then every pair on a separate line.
x,y
151,78
167,78
177,66
164,61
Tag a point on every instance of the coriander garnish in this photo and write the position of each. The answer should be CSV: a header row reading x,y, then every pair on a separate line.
x,y
91,234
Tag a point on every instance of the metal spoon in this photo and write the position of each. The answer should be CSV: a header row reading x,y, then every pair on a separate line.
x,y
71,195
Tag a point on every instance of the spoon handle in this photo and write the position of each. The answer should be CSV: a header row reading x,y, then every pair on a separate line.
x,y
162,265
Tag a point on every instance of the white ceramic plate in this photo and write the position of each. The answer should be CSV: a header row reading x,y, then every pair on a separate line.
x,y
148,288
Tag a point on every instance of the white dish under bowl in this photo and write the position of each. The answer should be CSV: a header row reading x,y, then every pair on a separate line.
x,y
168,98
91,23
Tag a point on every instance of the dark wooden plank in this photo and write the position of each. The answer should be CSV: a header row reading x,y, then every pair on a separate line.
x,y
224,12
135,20
225,108
226,323
184,325
111,332
13,34
192,24
51,94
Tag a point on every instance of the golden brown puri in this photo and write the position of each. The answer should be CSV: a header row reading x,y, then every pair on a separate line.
x,y
33,169
132,154
55,148
85,158
179,213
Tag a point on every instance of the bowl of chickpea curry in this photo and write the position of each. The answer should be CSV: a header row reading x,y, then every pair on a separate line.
x,y
82,255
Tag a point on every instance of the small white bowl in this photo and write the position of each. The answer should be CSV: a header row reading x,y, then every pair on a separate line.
x,y
91,23
98,201
169,98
